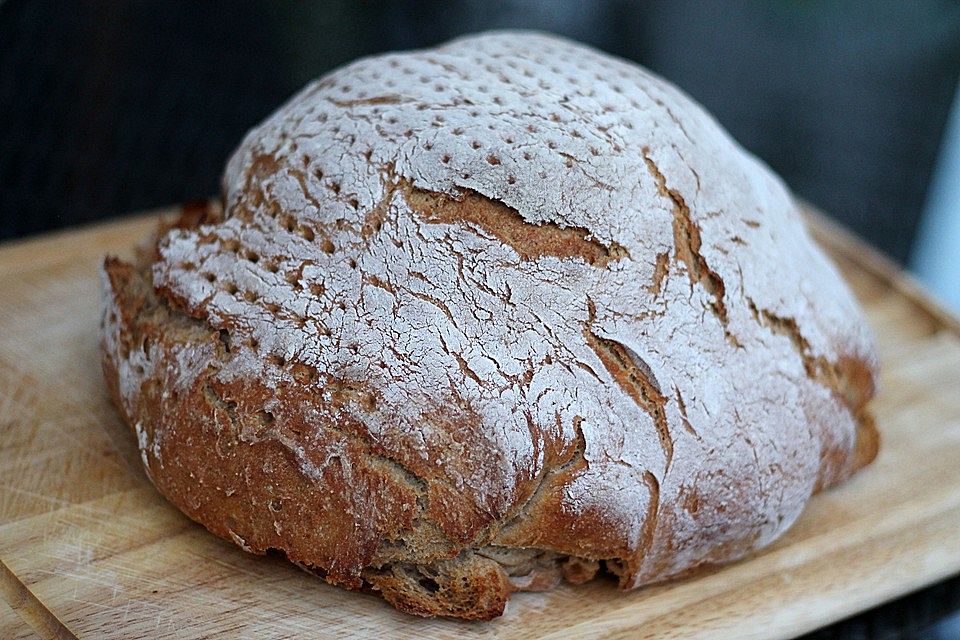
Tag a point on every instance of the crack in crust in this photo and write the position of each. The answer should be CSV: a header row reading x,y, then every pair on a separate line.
x,y
660,272
546,480
682,406
653,509
836,376
687,242
385,99
634,377
530,241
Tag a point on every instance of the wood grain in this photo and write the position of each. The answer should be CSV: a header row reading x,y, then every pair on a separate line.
x,y
101,554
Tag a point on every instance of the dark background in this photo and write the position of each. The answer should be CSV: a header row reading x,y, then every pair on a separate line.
x,y
113,107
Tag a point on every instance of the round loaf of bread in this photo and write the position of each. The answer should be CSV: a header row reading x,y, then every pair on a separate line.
x,y
479,318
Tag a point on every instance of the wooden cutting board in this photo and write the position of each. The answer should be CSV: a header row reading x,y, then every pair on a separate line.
x,y
90,548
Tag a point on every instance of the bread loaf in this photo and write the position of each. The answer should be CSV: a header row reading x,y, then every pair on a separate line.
x,y
484,317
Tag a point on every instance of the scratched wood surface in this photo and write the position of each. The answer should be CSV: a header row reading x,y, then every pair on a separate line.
x,y
89,549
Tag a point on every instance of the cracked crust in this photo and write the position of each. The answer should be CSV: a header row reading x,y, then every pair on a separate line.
x,y
485,317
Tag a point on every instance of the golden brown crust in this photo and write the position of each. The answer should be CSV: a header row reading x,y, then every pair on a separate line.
x,y
220,470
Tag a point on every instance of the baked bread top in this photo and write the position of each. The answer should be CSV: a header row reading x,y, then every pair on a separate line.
x,y
479,316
